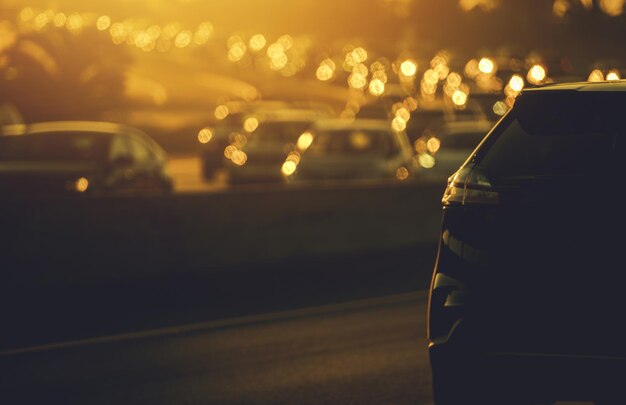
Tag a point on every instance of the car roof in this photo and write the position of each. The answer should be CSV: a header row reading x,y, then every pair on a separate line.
x,y
357,124
606,86
66,126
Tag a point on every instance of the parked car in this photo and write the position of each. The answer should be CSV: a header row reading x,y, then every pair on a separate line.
x,y
258,156
434,113
214,138
352,150
243,118
80,158
449,146
527,298
9,115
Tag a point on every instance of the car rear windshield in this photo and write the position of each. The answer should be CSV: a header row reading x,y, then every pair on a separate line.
x,y
351,142
55,146
555,134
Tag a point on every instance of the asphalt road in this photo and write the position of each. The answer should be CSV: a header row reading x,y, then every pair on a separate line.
x,y
367,351
340,330
344,329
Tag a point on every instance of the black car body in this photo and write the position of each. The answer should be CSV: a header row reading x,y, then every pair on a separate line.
x,y
80,158
527,298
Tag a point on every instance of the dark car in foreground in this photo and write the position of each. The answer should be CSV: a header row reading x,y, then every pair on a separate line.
x,y
75,158
527,297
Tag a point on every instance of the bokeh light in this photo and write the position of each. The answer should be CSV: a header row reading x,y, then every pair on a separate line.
x,y
250,124
203,33
536,74
357,81
433,145
516,83
408,68
103,23
205,135
82,184
426,161
487,66
459,98
596,75
289,167
304,141
613,75
239,157
377,87
398,124
257,42
221,112
500,108
402,173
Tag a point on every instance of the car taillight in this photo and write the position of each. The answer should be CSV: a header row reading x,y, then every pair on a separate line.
x,y
469,186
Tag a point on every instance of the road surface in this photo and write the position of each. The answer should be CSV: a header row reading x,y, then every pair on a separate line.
x,y
348,330
366,351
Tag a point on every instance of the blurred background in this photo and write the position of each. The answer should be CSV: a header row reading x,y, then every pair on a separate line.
x,y
165,66
282,154
173,68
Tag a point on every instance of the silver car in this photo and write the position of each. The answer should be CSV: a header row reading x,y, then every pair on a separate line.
x,y
351,150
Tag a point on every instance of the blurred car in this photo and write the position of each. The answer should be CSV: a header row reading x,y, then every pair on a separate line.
x,y
214,138
242,118
351,150
259,155
434,113
77,157
10,115
527,296
442,151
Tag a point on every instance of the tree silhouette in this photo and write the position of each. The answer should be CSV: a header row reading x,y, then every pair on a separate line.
x,y
57,75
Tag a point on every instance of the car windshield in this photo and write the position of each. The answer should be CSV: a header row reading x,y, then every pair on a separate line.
x,y
54,146
554,135
351,142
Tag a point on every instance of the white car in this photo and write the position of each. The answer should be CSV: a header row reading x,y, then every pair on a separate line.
x,y
351,150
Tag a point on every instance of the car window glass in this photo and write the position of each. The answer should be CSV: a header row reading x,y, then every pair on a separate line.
x,y
351,142
140,152
277,133
55,146
119,148
155,150
553,135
